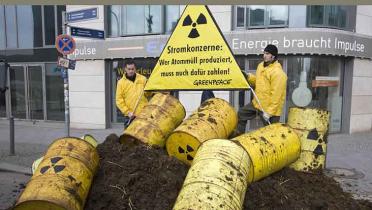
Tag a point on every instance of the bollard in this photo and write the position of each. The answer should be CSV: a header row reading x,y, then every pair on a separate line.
x,y
11,135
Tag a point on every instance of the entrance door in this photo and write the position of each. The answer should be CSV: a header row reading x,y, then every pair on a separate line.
x,y
26,91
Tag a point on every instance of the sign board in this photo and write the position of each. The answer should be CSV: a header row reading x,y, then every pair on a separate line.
x,y
65,44
320,41
87,33
86,14
66,63
196,57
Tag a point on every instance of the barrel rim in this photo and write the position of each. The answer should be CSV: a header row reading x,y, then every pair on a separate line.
x,y
173,98
54,203
72,138
310,108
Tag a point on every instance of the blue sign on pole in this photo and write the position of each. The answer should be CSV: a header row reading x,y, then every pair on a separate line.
x,y
87,33
80,15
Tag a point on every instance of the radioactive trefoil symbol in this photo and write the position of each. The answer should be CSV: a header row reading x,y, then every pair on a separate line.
x,y
188,150
314,135
189,22
53,165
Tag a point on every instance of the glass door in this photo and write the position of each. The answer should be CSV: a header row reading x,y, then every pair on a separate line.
x,y
18,91
27,91
35,92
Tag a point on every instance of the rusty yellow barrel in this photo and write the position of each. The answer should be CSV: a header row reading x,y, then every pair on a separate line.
x,y
217,178
214,119
270,149
312,127
156,121
63,178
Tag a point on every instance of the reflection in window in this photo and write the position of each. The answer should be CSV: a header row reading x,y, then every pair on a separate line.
x,y
171,17
329,16
60,9
2,28
260,16
278,15
114,20
11,26
135,20
54,93
329,98
240,16
29,24
257,16
153,18
49,25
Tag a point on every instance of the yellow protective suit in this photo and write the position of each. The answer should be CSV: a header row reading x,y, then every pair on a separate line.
x,y
270,84
128,92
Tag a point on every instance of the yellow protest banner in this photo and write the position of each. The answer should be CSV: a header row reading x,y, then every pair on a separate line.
x,y
196,57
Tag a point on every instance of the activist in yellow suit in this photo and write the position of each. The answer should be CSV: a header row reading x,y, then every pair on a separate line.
x,y
270,85
129,91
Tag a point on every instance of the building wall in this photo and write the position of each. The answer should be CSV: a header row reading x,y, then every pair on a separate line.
x,y
87,81
361,99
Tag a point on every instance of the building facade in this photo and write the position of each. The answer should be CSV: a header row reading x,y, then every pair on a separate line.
x,y
27,43
327,49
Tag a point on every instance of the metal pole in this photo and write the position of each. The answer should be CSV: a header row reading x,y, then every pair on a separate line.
x,y
11,135
65,83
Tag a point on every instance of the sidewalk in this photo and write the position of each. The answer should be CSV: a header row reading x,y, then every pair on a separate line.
x,y
349,157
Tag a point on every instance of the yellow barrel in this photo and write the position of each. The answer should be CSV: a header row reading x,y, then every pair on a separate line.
x,y
63,178
214,119
312,127
157,119
270,148
217,177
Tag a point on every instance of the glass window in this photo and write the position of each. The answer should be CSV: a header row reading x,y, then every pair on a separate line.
x,y
240,16
330,16
54,93
114,20
317,68
2,28
171,17
278,15
49,25
316,14
261,16
60,9
257,15
135,21
29,26
153,19
11,26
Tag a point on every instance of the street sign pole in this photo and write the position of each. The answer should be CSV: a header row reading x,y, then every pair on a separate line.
x,y
65,83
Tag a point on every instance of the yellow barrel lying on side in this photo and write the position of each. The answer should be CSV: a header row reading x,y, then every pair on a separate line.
x,y
217,177
214,119
63,178
312,127
156,121
270,148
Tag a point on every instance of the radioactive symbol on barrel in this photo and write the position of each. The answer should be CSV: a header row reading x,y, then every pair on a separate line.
x,y
188,21
314,135
53,165
187,152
